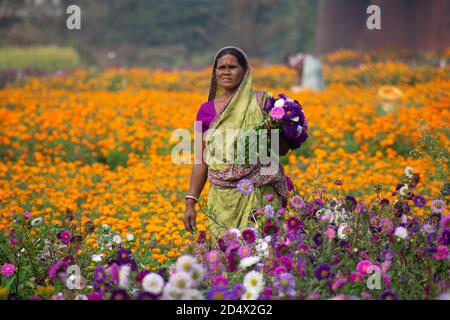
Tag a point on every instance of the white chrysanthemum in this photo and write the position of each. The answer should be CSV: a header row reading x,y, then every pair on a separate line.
x,y
409,172
186,264
180,280
295,119
171,293
124,274
254,281
250,295
97,257
248,262
153,283
343,231
236,231
117,239
130,237
192,294
36,222
403,190
401,232
262,247
197,275
279,103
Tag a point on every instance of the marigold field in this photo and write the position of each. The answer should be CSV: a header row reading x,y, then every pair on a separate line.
x,y
96,146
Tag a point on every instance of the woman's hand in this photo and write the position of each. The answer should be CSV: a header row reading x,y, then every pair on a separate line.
x,y
190,218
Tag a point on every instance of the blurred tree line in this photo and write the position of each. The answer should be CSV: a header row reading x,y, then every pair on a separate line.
x,y
170,32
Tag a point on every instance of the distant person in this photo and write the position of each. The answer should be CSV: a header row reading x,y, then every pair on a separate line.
x,y
310,71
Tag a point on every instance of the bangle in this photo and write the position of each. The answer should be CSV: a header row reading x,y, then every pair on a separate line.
x,y
196,199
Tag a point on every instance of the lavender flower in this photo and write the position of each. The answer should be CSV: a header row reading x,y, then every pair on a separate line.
x,y
245,186
285,284
323,272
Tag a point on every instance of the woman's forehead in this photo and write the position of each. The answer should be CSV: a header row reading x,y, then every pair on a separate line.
x,y
227,59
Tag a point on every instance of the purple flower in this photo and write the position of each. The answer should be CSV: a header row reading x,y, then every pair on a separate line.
x,y
419,200
445,222
292,112
286,261
233,261
386,225
441,253
388,295
237,291
217,293
249,235
281,250
229,238
270,229
277,113
285,284
58,267
95,296
437,206
428,228
297,202
147,296
213,256
269,103
350,202
290,130
269,211
65,236
388,254
123,256
120,294
245,186
244,252
323,271
113,271
220,281
293,224
266,294
8,269
99,274
101,288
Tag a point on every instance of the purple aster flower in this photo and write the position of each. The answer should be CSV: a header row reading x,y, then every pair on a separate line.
x,y
101,287
293,224
388,254
437,206
318,239
323,271
441,253
428,228
217,293
245,186
303,249
220,281
285,284
386,225
269,211
292,111
266,294
65,236
120,294
244,252
281,250
95,296
297,202
99,274
444,238
419,200
213,256
123,256
290,130
147,296
350,202
249,235
270,229
237,291
286,261
113,271
388,295
269,103
445,222
58,267
229,237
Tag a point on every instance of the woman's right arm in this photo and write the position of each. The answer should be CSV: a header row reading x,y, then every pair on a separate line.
x,y
198,179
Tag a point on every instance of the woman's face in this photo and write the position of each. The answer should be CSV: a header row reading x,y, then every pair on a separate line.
x,y
229,72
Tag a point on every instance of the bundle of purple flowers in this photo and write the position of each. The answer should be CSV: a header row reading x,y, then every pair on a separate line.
x,y
287,115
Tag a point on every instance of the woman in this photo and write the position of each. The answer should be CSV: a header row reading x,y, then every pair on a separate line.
x,y
232,104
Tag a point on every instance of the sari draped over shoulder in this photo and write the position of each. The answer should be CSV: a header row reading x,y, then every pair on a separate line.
x,y
230,207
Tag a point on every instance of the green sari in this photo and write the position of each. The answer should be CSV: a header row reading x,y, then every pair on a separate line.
x,y
228,207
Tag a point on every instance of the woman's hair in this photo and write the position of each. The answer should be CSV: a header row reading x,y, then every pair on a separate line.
x,y
235,52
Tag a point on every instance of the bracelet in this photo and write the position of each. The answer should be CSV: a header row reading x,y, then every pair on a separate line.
x,y
196,199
